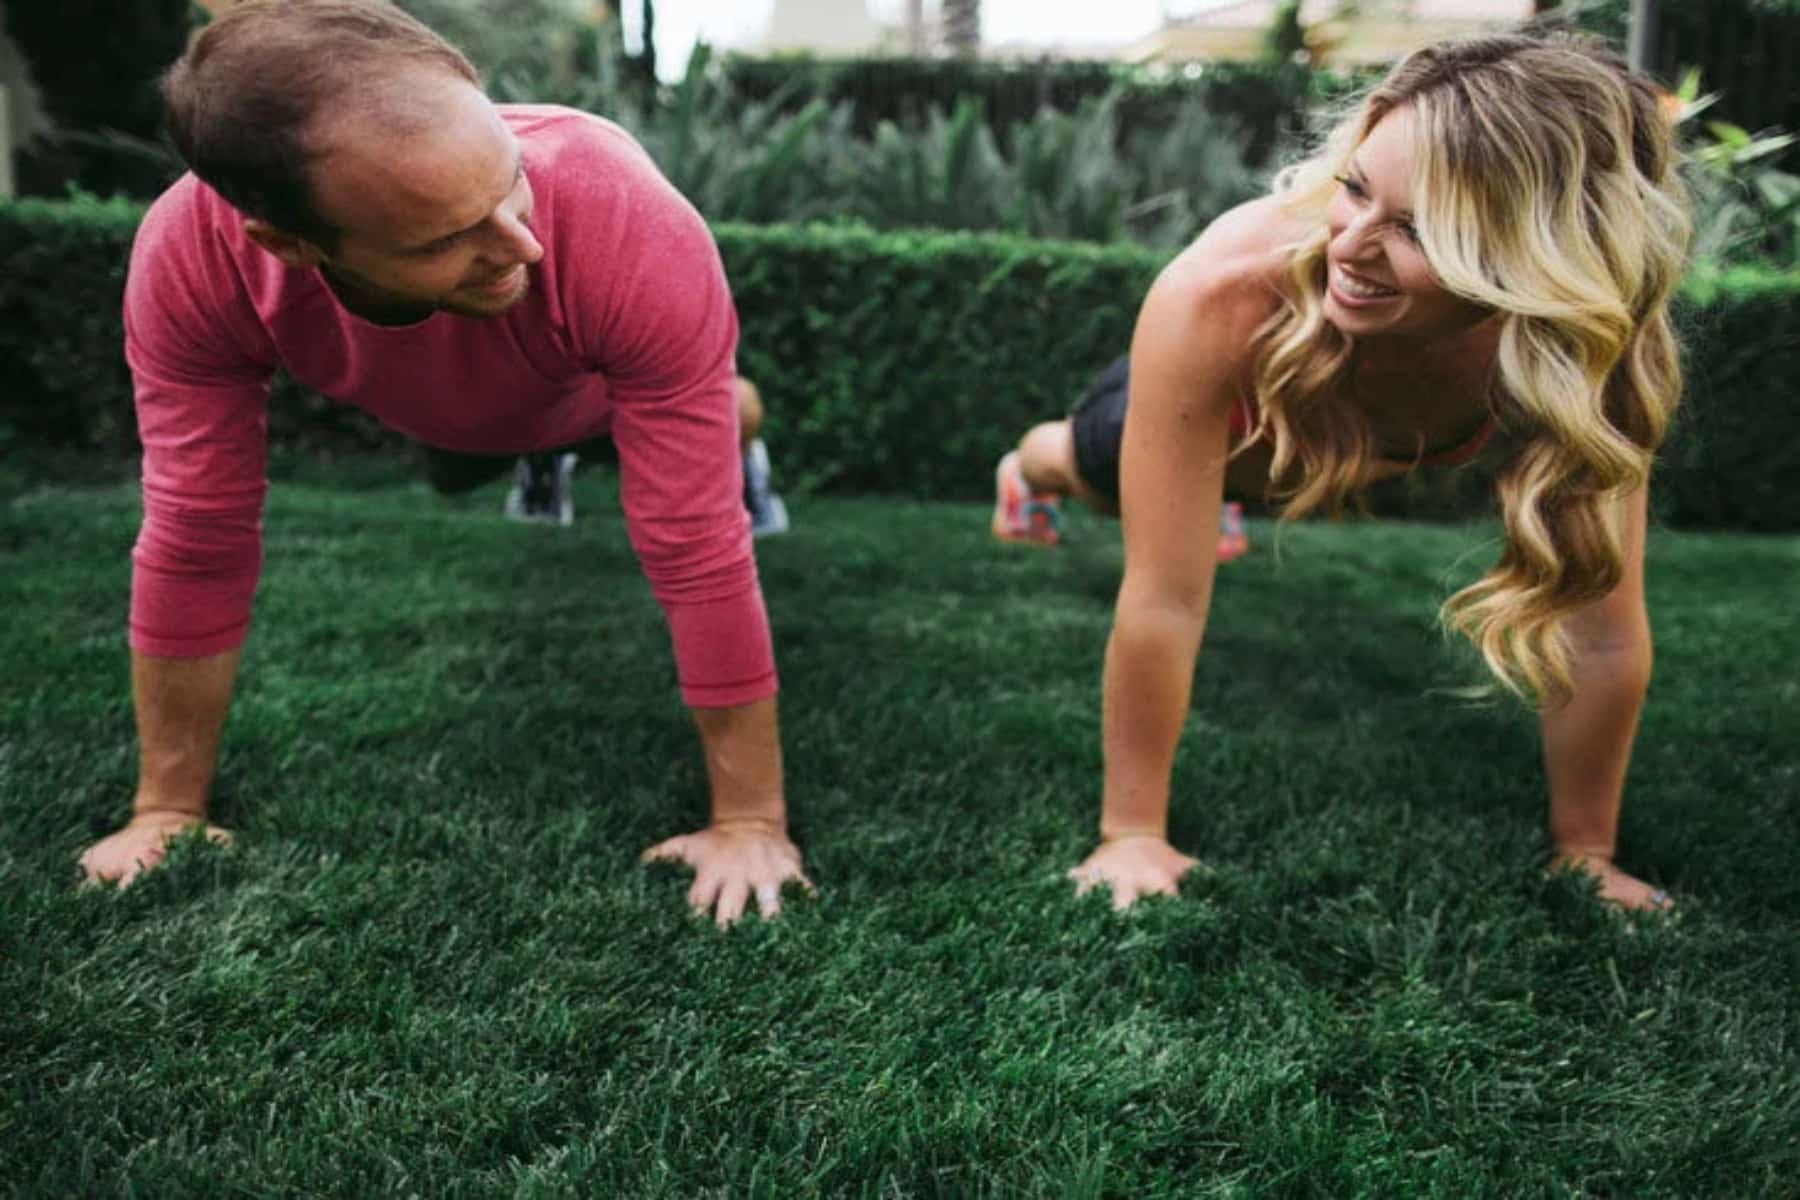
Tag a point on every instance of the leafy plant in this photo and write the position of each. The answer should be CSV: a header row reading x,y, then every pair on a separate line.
x,y
1082,175
1746,209
948,175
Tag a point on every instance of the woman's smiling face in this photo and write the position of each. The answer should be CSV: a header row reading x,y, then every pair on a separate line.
x,y
1378,281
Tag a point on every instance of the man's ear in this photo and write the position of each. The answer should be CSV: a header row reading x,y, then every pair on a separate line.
x,y
290,248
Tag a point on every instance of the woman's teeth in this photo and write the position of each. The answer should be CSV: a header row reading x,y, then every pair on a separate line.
x,y
1361,289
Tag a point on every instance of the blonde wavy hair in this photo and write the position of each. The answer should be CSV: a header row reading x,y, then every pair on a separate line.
x,y
1547,191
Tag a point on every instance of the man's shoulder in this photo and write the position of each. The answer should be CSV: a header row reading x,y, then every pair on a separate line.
x,y
590,177
555,135
184,239
176,213
192,274
193,226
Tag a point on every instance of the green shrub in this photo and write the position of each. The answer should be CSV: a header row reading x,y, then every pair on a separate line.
x,y
1268,101
62,367
906,362
901,362
1733,459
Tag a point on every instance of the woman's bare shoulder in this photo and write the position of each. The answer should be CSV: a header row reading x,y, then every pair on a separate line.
x,y
1233,266
1215,294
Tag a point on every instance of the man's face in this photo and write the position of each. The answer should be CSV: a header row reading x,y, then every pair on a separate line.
x,y
436,219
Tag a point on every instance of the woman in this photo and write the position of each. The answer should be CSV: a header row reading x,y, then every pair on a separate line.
x,y
1490,239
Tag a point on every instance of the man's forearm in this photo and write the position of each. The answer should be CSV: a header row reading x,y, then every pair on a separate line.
x,y
181,705
743,762
1587,747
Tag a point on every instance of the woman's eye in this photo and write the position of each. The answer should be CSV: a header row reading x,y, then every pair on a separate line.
x,y
1351,186
1410,232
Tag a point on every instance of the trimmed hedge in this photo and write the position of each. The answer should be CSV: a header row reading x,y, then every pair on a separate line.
x,y
1268,101
900,362
1733,458
905,362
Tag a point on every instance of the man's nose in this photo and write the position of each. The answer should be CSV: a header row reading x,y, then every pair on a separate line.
x,y
517,243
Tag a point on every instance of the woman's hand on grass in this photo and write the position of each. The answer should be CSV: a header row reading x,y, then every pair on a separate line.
x,y
733,861
123,856
1614,886
1133,866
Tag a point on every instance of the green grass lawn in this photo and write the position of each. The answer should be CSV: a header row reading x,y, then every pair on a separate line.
x,y
433,966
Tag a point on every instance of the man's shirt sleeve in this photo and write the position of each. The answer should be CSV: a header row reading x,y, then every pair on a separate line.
x,y
200,392
648,301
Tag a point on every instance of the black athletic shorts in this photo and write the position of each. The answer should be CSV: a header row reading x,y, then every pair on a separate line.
x,y
1098,424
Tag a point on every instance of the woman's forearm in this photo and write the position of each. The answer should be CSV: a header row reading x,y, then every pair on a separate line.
x,y
1587,745
1149,677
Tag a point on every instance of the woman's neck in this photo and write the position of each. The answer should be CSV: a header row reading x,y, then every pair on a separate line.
x,y
1469,350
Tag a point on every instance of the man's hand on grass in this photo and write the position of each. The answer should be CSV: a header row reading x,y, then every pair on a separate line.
x,y
121,857
733,861
1133,866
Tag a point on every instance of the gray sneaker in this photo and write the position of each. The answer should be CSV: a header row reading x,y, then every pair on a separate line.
x,y
540,489
768,515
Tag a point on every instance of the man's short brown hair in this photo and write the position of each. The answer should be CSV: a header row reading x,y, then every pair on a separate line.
x,y
240,97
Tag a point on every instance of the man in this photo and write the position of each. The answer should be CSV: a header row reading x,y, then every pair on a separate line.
x,y
487,280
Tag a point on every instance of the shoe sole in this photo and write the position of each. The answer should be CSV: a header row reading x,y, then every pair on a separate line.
x,y
998,523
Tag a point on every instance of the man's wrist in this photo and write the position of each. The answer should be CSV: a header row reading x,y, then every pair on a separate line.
x,y
762,821
751,822
1122,832
155,806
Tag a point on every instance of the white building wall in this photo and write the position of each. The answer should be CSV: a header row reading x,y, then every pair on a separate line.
x,y
22,114
825,27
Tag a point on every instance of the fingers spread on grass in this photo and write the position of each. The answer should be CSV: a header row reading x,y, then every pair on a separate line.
x,y
733,898
101,864
705,891
733,865
141,845
672,850
768,899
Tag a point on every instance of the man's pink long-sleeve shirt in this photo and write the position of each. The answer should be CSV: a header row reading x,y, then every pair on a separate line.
x,y
628,327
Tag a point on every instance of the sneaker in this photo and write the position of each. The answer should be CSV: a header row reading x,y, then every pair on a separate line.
x,y
768,515
540,490
1233,541
1020,514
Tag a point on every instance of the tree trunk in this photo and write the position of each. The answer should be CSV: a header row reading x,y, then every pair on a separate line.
x,y
915,28
962,27
1643,35
649,55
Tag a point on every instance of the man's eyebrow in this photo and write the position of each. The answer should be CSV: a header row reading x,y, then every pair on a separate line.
x,y
518,174
1362,177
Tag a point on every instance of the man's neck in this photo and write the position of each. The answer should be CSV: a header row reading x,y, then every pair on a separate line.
x,y
371,304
